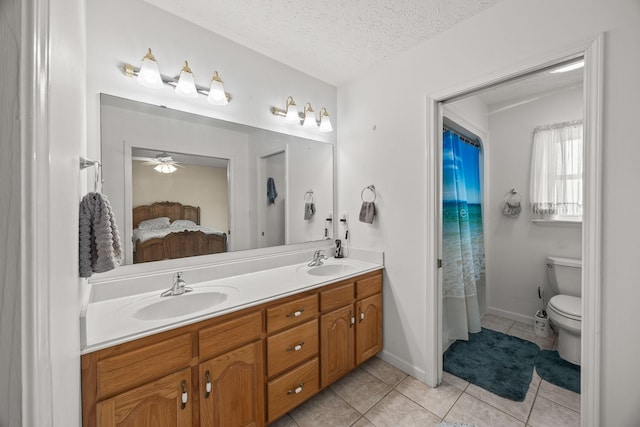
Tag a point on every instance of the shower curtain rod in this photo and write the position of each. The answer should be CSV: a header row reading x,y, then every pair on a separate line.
x,y
475,143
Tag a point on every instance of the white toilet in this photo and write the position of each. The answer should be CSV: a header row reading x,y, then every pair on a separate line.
x,y
565,308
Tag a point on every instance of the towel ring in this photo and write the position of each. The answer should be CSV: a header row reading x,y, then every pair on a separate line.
x,y
371,188
512,203
310,195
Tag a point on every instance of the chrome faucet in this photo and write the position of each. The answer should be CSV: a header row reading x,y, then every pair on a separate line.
x,y
179,286
318,259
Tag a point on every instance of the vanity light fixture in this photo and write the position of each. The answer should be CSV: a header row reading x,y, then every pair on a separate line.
x,y
148,75
216,91
165,168
309,118
325,121
306,119
186,83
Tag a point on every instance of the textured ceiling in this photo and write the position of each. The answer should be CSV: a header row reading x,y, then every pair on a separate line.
x,y
333,41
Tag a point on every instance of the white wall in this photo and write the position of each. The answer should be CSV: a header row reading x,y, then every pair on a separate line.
x,y
121,31
515,247
383,142
10,212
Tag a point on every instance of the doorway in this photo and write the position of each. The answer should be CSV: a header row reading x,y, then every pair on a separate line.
x,y
272,195
591,224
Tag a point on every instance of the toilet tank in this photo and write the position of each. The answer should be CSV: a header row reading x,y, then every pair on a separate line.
x,y
565,275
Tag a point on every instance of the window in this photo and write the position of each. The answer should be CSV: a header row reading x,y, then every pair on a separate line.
x,y
556,171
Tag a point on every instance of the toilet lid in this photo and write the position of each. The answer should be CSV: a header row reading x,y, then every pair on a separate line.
x,y
567,305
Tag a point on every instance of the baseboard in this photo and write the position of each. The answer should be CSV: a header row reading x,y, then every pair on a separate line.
x,y
407,368
510,315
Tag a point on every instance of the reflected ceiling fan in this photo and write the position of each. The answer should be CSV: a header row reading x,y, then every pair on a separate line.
x,y
162,162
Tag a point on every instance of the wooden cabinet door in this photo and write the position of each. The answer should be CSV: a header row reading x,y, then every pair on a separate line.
x,y
369,327
336,342
156,404
235,394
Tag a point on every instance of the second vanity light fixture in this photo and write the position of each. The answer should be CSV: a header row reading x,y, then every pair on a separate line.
x,y
307,119
148,75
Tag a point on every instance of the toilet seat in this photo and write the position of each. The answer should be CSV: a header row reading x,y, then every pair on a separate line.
x,y
567,306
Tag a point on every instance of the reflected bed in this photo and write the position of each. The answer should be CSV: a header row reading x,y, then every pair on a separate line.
x,y
167,230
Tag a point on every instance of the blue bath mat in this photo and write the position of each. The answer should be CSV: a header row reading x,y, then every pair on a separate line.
x,y
500,363
558,371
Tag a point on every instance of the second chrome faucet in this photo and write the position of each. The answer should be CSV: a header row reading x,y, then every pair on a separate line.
x,y
179,286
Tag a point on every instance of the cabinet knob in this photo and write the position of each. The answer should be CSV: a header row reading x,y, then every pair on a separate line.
x,y
297,389
296,347
361,315
296,313
207,384
353,319
185,396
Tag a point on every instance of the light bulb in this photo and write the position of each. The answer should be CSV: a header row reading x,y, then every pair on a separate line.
x,y
309,117
165,168
291,116
186,83
149,75
217,96
325,121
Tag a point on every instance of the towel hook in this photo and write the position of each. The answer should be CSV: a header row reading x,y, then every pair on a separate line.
x,y
371,188
86,163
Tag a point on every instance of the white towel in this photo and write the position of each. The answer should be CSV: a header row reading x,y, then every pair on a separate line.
x,y
99,245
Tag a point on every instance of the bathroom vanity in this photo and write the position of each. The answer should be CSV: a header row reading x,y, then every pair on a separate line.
x,y
247,363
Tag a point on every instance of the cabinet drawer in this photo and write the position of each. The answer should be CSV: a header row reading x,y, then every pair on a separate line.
x,y
291,347
336,297
225,336
369,286
289,390
140,366
292,313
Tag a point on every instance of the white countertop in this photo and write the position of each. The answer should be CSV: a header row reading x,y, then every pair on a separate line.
x,y
111,321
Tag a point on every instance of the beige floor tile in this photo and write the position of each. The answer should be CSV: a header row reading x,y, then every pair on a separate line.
x,y
437,400
496,323
560,395
285,421
384,371
470,410
524,331
362,422
519,410
360,389
396,410
546,413
324,409
457,382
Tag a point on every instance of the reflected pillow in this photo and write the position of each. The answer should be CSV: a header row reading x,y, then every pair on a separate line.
x,y
154,224
183,223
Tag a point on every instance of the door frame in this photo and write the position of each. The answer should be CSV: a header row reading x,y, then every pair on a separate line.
x,y
592,51
261,196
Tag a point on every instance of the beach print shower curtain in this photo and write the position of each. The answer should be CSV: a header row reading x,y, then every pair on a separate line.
x,y
462,237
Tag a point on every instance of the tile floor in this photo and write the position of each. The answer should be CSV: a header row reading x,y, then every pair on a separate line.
x,y
379,395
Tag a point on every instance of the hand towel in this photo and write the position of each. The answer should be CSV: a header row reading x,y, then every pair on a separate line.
x,y
272,194
309,210
367,212
99,244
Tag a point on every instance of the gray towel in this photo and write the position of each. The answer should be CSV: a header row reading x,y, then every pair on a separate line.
x,y
367,212
99,245
272,194
309,210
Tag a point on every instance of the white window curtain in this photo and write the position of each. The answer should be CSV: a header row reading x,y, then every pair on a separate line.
x,y
556,170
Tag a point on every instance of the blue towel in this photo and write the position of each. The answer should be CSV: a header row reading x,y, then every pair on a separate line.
x,y
272,194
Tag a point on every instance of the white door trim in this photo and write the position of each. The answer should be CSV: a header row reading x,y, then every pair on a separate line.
x,y
592,50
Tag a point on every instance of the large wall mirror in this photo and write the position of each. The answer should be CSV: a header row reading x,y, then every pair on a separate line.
x,y
183,185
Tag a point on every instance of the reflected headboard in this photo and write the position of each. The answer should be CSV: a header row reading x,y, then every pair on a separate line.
x,y
172,210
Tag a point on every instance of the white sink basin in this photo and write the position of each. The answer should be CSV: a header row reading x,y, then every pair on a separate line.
x,y
180,305
331,270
